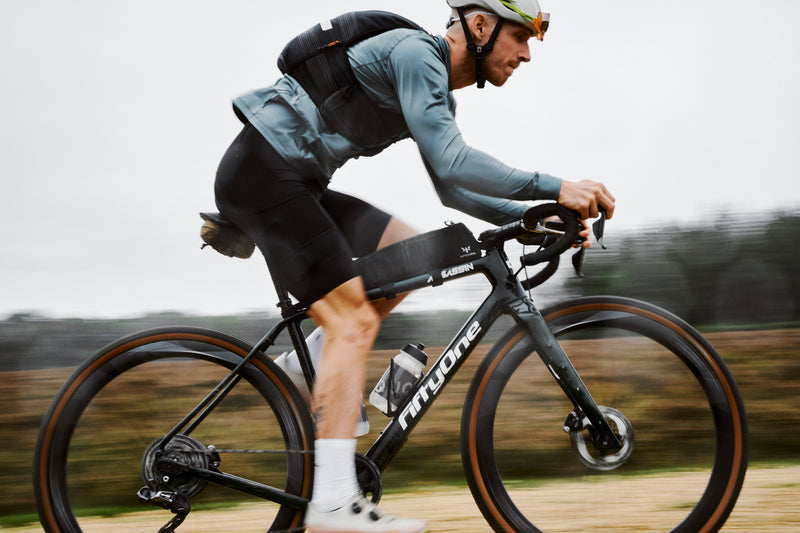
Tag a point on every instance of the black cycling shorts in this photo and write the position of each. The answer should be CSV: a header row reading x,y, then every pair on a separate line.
x,y
307,233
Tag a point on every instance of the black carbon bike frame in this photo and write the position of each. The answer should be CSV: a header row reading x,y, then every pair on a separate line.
x,y
506,297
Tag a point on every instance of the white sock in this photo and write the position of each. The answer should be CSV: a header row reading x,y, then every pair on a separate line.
x,y
314,343
335,480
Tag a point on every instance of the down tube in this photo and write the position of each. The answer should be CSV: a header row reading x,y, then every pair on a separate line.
x,y
441,372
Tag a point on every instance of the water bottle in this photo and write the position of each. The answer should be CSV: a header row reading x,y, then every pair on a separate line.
x,y
398,381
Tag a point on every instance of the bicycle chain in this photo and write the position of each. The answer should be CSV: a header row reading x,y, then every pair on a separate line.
x,y
287,452
177,520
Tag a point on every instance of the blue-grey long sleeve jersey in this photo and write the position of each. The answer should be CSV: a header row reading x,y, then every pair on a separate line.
x,y
408,72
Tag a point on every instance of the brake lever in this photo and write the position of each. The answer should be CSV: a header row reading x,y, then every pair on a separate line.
x,y
599,227
577,262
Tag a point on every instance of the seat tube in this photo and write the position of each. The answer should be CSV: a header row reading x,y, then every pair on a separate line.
x,y
296,335
562,370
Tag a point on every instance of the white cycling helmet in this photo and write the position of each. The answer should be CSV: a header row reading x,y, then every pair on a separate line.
x,y
525,12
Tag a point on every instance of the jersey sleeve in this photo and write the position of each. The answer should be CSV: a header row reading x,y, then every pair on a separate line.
x,y
493,210
469,179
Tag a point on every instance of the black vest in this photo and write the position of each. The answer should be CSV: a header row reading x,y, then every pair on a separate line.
x,y
317,59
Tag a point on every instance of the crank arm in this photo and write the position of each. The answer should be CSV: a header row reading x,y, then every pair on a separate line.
x,y
264,492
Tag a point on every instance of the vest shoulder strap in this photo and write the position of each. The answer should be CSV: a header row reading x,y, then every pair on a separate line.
x,y
317,59
340,32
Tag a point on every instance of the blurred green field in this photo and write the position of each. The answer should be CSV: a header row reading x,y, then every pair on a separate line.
x,y
766,365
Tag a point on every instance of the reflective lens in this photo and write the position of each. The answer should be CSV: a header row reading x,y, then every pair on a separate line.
x,y
541,23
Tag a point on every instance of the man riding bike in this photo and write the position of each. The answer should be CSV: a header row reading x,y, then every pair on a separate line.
x,y
273,183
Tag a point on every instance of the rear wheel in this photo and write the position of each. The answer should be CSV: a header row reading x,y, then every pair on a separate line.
x,y
97,446
662,387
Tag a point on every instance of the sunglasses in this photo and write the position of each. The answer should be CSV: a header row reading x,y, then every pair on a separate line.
x,y
541,23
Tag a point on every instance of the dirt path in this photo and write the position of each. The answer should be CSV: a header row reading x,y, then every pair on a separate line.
x,y
769,503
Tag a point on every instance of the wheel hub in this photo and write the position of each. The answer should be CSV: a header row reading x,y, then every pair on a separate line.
x,y
601,460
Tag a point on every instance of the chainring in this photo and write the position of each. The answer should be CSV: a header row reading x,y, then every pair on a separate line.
x,y
369,478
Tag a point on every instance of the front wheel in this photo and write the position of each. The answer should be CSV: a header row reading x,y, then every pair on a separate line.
x,y
662,387
97,455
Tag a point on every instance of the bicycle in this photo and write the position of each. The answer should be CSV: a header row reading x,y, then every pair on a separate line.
x,y
205,429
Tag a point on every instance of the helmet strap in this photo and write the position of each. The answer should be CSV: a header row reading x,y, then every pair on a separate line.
x,y
479,51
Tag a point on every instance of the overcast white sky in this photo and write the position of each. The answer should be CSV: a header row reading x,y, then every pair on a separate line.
x,y
115,114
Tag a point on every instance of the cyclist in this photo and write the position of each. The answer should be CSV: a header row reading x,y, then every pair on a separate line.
x,y
273,183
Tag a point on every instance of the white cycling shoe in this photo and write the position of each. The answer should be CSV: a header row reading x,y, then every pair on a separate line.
x,y
362,426
359,516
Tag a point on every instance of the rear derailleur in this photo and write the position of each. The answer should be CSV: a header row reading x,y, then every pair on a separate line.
x,y
169,485
168,499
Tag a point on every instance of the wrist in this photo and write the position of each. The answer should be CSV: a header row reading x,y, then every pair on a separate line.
x,y
547,187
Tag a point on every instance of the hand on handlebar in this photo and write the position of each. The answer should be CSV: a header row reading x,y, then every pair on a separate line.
x,y
540,227
583,234
586,197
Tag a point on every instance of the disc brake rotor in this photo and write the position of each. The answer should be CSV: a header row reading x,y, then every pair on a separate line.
x,y
596,459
